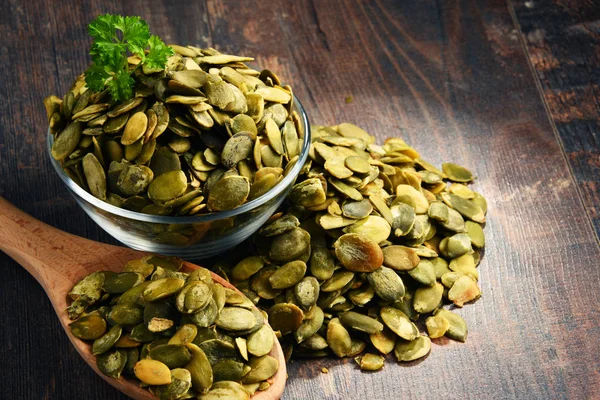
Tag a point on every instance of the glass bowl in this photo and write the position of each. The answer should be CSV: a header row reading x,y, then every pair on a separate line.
x,y
191,237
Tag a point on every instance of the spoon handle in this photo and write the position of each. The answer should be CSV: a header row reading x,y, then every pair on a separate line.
x,y
56,259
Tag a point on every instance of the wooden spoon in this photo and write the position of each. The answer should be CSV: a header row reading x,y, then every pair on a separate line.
x,y
58,260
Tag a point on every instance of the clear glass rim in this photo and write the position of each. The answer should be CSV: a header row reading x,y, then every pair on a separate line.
x,y
274,192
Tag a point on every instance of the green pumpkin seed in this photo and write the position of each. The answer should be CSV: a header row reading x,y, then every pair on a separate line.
x,y
412,350
384,341
193,297
67,141
308,193
181,382
404,219
360,322
457,173
322,263
231,192
172,355
456,245
357,209
458,327
466,208
106,341
289,245
126,314
400,258
285,317
307,292
94,176
427,298
387,284
338,338
162,288
288,275
167,186
373,226
339,280
464,290
262,368
88,327
134,179
260,342
475,232
235,319
134,128
310,326
424,273
465,264
399,323
200,369
437,326
112,363
370,362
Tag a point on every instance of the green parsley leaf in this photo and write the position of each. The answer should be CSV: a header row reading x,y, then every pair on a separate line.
x,y
95,78
121,85
158,54
114,37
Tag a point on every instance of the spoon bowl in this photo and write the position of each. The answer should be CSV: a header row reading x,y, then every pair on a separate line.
x,y
58,260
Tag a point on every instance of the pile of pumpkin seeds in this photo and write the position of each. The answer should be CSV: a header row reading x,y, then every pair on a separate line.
x,y
181,335
372,245
205,134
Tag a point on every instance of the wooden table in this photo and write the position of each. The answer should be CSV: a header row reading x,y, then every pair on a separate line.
x,y
510,90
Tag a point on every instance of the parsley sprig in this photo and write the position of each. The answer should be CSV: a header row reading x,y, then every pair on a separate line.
x,y
115,38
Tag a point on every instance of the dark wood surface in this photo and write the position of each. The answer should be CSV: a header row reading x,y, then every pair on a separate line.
x,y
454,78
563,42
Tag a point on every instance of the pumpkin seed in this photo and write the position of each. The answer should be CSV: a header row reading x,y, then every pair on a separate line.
x,y
172,355
67,141
457,173
112,363
360,322
399,323
285,317
370,362
181,382
338,338
262,368
88,327
464,290
235,319
384,341
106,341
200,369
231,192
152,372
412,350
400,258
288,275
358,252
458,327
437,326
167,186
387,284
427,298
260,342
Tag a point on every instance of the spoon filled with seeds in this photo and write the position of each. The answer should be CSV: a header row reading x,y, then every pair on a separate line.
x,y
151,326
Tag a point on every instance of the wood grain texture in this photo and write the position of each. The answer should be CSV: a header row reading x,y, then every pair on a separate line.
x,y
451,77
563,43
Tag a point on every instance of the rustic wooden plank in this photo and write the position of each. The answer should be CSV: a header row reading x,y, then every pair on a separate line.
x,y
451,77
563,43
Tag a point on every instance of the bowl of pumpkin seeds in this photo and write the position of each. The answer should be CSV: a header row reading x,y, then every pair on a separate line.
x,y
198,156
